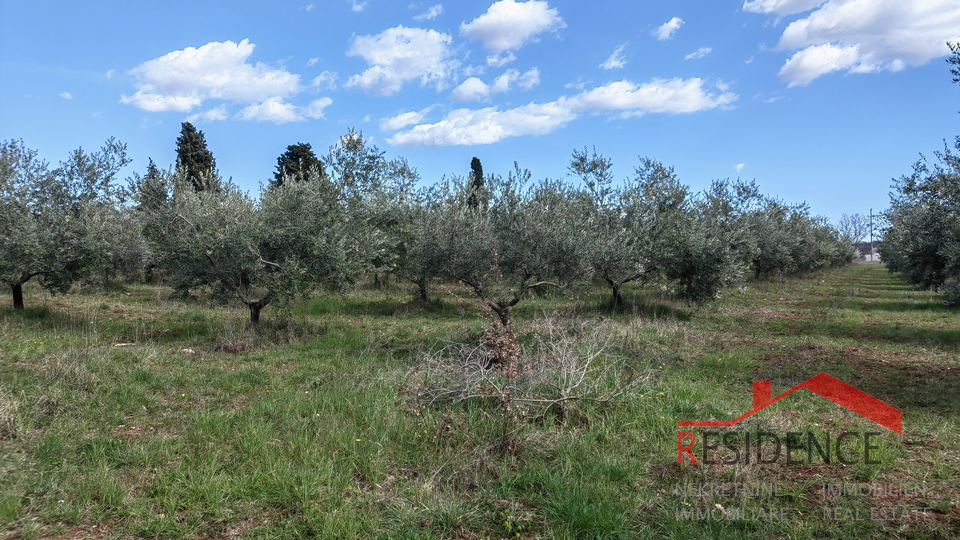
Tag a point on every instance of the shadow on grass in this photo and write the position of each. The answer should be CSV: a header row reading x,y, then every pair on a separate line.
x,y
377,306
897,333
645,304
42,313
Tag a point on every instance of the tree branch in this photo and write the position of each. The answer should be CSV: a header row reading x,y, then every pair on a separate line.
x,y
264,261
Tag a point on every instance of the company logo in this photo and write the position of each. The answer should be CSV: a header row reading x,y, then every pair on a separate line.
x,y
825,385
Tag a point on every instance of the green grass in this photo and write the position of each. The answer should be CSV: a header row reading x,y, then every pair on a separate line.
x,y
128,413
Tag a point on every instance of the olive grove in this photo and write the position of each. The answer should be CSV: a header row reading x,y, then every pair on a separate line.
x,y
326,223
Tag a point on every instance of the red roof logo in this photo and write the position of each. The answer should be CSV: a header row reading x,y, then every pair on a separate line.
x,y
824,385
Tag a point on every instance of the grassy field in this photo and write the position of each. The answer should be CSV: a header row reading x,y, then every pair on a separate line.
x,y
128,413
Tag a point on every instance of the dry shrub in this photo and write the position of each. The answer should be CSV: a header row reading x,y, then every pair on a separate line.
x,y
564,364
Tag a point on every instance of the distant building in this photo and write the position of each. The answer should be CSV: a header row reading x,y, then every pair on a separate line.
x,y
866,253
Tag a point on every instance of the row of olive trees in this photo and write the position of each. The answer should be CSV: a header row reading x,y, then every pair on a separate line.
x,y
325,222
322,225
521,236
922,237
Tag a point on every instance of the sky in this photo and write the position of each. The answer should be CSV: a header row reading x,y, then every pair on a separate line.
x,y
818,101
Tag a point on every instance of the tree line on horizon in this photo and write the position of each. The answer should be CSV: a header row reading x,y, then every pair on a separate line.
x,y
328,222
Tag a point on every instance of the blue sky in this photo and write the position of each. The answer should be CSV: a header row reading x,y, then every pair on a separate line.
x,y
822,101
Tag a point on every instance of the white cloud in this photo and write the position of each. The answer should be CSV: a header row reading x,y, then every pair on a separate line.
x,y
529,80
401,54
315,109
863,36
473,89
65,95
430,14
772,99
658,96
503,82
508,25
312,61
309,7
578,84
184,79
781,7
212,115
473,71
812,62
403,120
616,60
110,73
486,126
699,53
525,81
272,110
489,125
497,60
357,7
327,79
665,30
739,167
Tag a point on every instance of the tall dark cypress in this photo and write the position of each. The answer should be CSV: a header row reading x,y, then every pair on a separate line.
x,y
194,159
297,163
476,183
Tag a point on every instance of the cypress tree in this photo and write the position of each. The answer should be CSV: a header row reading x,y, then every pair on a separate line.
x,y
194,159
297,163
476,183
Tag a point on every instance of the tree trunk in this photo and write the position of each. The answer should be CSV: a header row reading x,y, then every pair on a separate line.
x,y
255,307
617,296
503,312
17,296
422,290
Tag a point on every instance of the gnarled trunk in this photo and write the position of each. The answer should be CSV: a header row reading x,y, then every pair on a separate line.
x,y
617,295
422,289
256,306
17,296
255,312
503,312
18,287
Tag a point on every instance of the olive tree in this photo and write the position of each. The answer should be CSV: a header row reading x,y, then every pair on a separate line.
x,y
922,240
292,240
421,260
650,228
374,192
527,238
53,223
615,249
